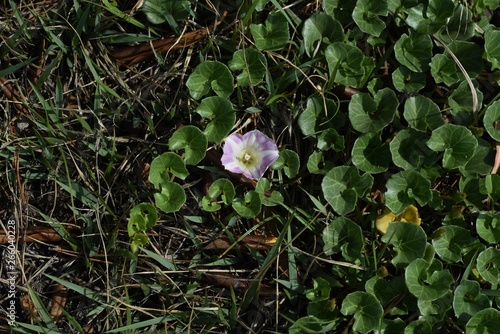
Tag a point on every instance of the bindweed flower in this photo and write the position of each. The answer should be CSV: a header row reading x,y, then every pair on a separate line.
x,y
250,154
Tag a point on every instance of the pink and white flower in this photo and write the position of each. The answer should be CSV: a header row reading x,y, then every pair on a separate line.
x,y
250,154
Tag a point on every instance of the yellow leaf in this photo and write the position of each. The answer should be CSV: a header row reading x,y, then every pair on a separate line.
x,y
410,215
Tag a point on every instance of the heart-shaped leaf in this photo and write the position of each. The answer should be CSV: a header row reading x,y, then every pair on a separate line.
x,y
343,235
488,265
409,149
321,28
486,321
220,111
251,63
405,80
142,217
422,113
467,300
492,47
250,206
366,309
210,75
343,185
164,164
451,243
370,155
414,51
405,188
288,161
428,280
273,35
316,117
457,142
192,140
171,197
488,226
372,115
409,242
492,120
366,15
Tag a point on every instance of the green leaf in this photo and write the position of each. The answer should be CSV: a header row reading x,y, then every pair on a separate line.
x,y
457,142
451,242
343,185
250,206
486,321
422,113
430,18
251,63
366,309
414,51
419,326
220,187
192,140
488,226
488,265
164,164
428,280
220,111
142,217
370,155
492,183
492,47
347,64
273,35
160,11
330,139
491,120
467,300
343,235
171,197
460,26
405,188
444,68
409,242
386,290
319,113
288,161
409,149
210,75
461,103
481,161
372,115
405,80
321,28
267,197
435,310
366,15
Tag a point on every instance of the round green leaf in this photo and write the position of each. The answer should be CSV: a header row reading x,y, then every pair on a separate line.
x,y
486,321
210,74
343,185
251,63
444,68
321,28
409,242
405,80
405,188
457,142
409,149
220,111
267,197
366,309
372,115
146,211
160,11
166,163
192,140
288,161
273,35
422,113
461,103
343,235
488,226
347,64
220,187
370,155
430,17
492,47
330,139
451,242
414,51
366,15
467,300
491,120
428,281
488,265
171,197
492,183
315,117
250,206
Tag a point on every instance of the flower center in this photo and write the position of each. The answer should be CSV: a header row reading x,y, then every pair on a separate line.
x,y
247,158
